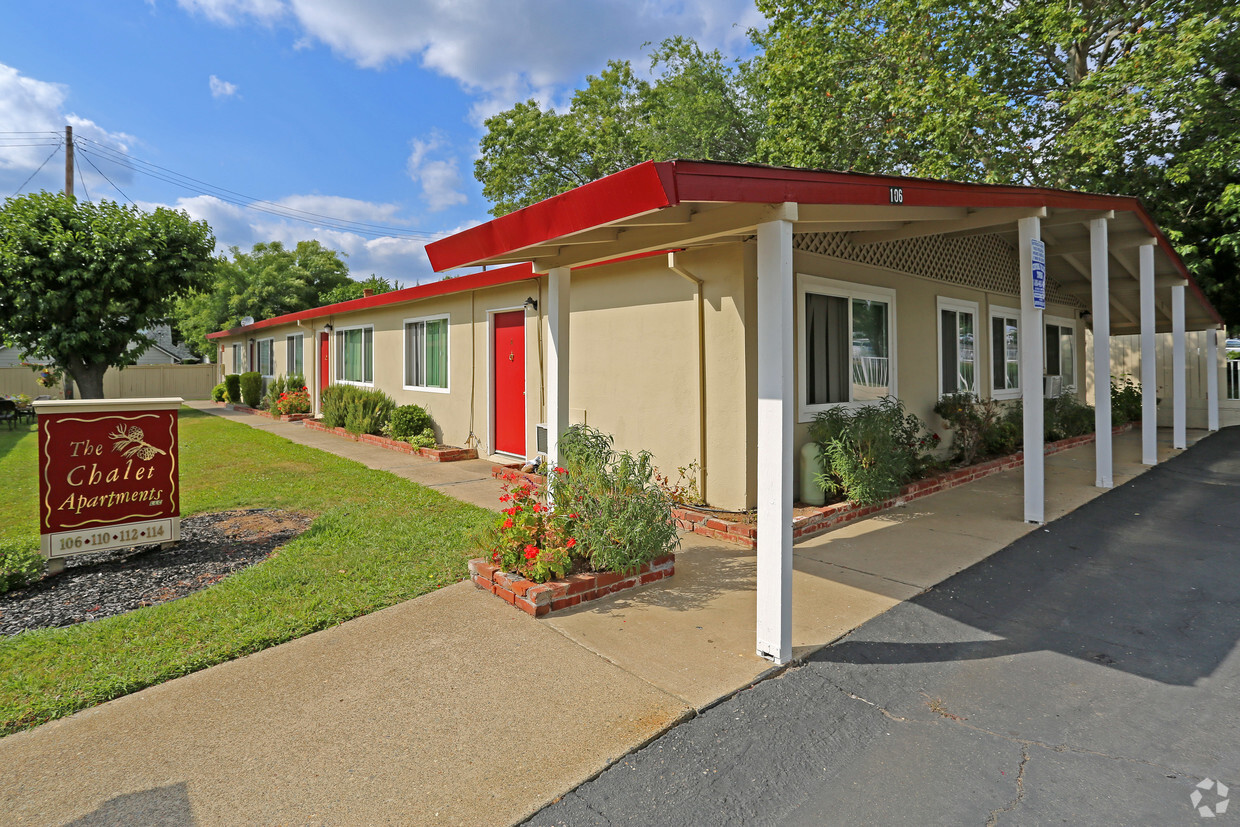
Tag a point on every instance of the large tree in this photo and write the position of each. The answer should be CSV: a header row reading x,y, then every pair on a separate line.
x,y
698,106
1136,98
79,281
270,280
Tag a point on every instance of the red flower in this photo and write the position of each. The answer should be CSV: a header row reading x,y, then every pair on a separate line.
x,y
572,516
560,471
530,552
505,498
539,508
508,523
571,542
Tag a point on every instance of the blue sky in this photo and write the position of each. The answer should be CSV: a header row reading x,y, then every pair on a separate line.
x,y
368,111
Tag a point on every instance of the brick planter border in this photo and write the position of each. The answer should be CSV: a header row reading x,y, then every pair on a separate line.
x,y
539,599
443,453
499,471
268,414
837,514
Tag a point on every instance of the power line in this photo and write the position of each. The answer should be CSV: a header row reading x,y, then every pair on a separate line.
x,y
104,152
106,178
36,172
82,177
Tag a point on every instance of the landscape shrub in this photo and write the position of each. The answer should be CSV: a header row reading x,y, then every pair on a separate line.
x,y
426,439
358,410
20,565
218,392
275,389
411,421
1064,417
232,388
1004,438
1125,400
531,539
869,452
623,517
251,389
292,401
972,420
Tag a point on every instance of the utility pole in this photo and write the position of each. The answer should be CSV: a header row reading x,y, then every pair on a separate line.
x,y
69,161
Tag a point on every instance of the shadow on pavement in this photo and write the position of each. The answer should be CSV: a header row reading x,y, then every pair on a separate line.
x,y
154,807
1145,580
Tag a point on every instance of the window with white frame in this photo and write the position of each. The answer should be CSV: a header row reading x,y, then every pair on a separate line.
x,y
295,354
266,357
355,354
846,343
1060,353
238,358
426,353
958,346
1004,352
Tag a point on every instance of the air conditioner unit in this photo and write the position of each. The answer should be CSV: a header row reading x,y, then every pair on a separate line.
x,y
1052,386
540,437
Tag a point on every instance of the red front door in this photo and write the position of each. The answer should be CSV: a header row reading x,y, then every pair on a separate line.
x,y
508,345
325,375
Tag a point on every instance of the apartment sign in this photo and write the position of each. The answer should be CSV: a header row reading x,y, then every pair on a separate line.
x,y
1039,273
108,474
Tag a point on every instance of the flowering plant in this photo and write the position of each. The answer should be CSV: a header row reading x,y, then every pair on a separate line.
x,y
48,376
531,539
293,401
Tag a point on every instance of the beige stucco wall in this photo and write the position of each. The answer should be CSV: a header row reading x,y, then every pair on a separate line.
x,y
634,355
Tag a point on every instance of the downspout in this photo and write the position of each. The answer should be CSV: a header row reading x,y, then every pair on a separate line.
x,y
701,348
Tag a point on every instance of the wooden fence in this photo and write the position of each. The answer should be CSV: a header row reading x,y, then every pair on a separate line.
x,y
136,382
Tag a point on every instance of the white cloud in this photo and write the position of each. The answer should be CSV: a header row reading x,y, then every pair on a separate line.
x,y
440,178
35,108
401,259
500,50
232,11
221,88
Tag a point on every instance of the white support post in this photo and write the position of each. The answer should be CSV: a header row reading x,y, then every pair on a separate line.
x,y
558,284
1032,336
1149,360
775,407
1101,311
1212,378
1179,379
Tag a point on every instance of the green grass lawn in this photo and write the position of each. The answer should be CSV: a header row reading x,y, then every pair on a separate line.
x,y
376,540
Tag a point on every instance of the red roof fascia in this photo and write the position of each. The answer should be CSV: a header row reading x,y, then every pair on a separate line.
x,y
459,284
645,187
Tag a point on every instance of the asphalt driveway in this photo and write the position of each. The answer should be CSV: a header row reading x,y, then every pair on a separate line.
x,y
1086,674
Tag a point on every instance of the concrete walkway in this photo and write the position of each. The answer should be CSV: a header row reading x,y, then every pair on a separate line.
x,y
455,708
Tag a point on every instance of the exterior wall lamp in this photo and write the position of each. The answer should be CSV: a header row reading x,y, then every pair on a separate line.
x,y
531,303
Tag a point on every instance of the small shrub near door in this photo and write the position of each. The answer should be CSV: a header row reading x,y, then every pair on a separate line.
x,y
292,401
359,410
251,389
610,514
870,451
219,392
232,388
412,424
973,421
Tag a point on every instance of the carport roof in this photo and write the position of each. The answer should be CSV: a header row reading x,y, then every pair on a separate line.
x,y
685,204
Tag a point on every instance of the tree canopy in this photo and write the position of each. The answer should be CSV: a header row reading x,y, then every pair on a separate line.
x,y
357,289
79,281
270,280
698,107
1133,98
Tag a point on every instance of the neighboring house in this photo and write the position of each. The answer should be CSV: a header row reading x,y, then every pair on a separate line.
x,y
707,311
163,352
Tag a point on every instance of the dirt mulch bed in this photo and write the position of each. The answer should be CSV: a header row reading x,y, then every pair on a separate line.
x,y
106,583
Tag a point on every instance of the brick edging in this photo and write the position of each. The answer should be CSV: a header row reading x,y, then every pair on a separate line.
x,y
446,453
259,412
539,599
837,514
500,471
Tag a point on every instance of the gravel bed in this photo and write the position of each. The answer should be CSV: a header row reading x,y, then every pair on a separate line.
x,y
106,583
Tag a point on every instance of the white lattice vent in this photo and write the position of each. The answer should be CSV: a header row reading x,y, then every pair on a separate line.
x,y
983,262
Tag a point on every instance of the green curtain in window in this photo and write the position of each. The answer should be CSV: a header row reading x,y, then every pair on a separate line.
x,y
437,354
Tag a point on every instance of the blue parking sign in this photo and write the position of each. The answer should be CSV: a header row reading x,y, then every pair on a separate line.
x,y
1039,273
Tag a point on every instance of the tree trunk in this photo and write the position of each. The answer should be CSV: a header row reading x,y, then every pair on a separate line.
x,y
89,379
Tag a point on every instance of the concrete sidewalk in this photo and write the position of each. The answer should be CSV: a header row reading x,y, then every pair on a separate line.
x,y
455,708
